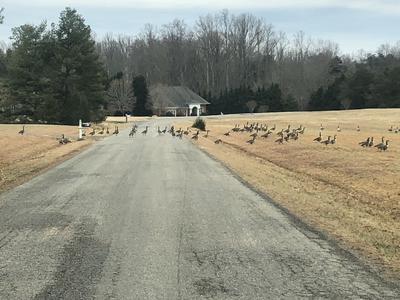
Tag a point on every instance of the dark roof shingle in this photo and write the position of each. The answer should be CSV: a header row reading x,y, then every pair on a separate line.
x,y
175,96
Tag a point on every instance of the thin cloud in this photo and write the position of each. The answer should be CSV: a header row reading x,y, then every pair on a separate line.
x,y
382,6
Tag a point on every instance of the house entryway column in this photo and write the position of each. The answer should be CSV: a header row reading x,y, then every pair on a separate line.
x,y
194,106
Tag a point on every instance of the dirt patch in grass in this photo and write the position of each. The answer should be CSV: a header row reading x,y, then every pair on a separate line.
x,y
349,192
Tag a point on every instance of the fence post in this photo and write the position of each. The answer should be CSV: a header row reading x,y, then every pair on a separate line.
x,y
80,129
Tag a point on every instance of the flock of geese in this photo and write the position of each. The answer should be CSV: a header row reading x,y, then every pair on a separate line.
x,y
285,135
175,133
102,131
263,131
256,131
64,140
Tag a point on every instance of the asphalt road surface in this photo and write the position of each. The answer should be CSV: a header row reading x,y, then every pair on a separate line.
x,y
153,217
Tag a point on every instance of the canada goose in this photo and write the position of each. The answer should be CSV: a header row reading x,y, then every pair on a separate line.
x,y
93,132
132,132
218,141
83,133
327,142
116,132
371,142
334,140
265,135
107,131
252,141
280,140
101,131
145,131
381,144
165,130
287,130
254,135
273,128
338,129
63,140
206,135
236,128
391,128
294,136
22,131
158,130
302,130
286,138
321,127
186,132
358,128
280,133
60,140
365,143
319,138
383,147
227,133
196,135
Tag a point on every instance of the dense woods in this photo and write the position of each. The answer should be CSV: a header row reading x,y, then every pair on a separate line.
x,y
239,63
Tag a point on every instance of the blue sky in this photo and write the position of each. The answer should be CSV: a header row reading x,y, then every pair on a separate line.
x,y
353,24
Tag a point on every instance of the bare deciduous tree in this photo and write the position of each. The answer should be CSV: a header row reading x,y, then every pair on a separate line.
x,y
251,105
223,52
120,95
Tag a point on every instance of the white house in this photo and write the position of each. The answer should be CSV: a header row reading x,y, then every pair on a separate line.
x,y
176,101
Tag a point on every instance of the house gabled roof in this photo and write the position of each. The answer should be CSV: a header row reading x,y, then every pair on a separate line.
x,y
175,96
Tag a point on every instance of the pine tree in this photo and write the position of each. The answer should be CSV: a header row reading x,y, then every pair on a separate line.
x,y
27,77
78,72
141,94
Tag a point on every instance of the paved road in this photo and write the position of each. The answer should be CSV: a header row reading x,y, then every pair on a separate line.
x,y
155,218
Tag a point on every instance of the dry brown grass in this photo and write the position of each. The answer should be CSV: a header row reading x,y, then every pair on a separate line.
x,y
22,157
350,193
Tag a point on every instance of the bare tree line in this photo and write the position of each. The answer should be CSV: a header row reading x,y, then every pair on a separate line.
x,y
222,52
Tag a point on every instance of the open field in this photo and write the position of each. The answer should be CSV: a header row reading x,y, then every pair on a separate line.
x,y
349,192
23,156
